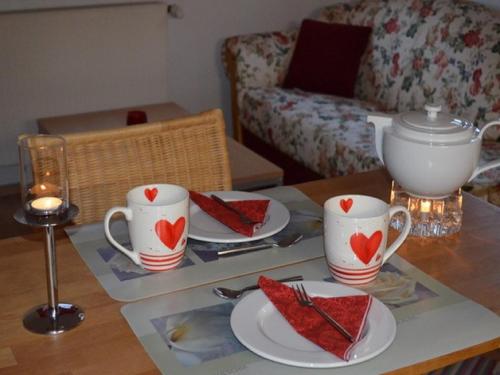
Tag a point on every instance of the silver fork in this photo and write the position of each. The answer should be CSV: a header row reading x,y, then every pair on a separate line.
x,y
304,299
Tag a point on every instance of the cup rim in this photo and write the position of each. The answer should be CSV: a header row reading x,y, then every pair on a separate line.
x,y
178,188
328,206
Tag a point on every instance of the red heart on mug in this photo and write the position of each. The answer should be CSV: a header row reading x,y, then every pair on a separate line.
x,y
169,233
364,247
346,204
151,193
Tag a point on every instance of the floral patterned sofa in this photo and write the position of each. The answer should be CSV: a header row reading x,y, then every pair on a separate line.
x,y
420,51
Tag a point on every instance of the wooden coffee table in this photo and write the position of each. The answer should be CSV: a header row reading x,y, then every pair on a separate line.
x,y
249,170
466,262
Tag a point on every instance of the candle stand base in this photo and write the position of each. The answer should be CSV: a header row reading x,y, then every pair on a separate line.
x,y
43,320
430,217
54,317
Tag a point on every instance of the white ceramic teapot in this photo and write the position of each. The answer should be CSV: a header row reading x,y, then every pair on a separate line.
x,y
430,154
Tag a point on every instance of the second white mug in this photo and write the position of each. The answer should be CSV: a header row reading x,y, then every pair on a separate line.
x,y
355,234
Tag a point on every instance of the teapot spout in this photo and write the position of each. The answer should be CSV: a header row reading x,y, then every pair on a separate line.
x,y
380,121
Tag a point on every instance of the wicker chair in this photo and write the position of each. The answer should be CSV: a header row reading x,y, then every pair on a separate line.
x,y
104,165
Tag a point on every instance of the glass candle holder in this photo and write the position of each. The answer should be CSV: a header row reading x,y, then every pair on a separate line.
x,y
43,174
430,217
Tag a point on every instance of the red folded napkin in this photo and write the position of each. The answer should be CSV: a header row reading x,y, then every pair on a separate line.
x,y
349,311
255,210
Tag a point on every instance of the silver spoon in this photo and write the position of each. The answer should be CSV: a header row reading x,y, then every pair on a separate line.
x,y
284,242
234,293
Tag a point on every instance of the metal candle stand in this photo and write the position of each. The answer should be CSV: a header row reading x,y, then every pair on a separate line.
x,y
45,204
54,317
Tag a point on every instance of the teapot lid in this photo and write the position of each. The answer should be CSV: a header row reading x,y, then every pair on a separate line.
x,y
435,126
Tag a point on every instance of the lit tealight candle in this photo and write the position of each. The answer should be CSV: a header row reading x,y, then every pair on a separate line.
x,y
46,204
425,207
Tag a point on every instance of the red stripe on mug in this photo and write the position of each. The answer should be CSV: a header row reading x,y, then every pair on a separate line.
x,y
354,275
354,269
154,255
355,281
371,277
354,278
160,268
162,265
366,272
158,262
165,258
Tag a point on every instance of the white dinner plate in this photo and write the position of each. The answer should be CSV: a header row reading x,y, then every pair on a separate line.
x,y
260,327
203,227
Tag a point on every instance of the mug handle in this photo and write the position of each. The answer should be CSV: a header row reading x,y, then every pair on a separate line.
x,y
128,215
404,233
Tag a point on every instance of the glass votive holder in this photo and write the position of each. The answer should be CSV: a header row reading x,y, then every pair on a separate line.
x,y
430,217
43,174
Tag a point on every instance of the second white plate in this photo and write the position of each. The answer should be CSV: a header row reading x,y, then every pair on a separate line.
x,y
260,327
203,227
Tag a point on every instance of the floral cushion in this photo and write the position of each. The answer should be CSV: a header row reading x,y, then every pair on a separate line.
x,y
327,134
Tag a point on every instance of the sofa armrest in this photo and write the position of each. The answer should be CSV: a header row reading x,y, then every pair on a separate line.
x,y
256,60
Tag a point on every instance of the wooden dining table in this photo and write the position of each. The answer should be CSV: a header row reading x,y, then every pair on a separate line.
x,y
467,262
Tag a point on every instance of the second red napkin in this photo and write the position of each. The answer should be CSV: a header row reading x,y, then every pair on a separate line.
x,y
253,209
349,311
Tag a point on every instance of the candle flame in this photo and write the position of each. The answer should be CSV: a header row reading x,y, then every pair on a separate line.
x,y
425,206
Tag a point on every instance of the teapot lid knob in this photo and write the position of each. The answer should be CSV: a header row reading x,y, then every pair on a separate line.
x,y
432,110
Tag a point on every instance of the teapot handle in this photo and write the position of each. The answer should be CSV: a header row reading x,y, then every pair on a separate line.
x,y
491,164
485,127
379,121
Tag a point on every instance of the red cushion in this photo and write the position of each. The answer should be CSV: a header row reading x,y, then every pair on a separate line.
x,y
326,58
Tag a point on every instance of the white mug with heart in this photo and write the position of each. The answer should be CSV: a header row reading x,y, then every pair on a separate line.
x,y
157,217
355,235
